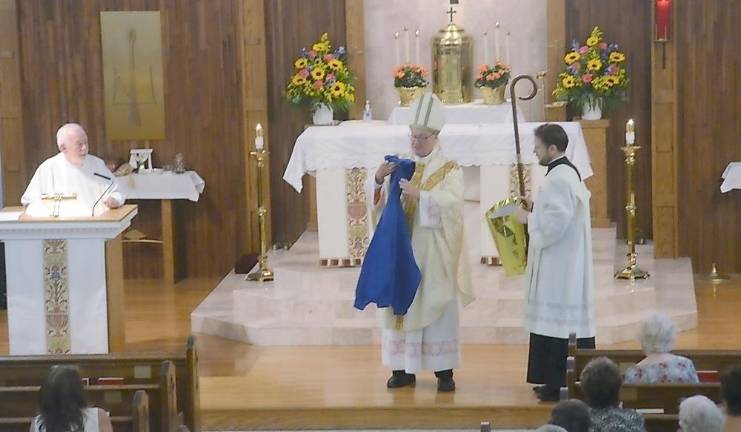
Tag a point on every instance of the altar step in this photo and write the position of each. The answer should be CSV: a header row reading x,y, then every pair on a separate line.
x,y
311,305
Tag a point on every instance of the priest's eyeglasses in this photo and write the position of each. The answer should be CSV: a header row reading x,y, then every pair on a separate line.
x,y
420,138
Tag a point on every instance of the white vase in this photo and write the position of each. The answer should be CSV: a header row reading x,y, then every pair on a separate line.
x,y
591,112
323,115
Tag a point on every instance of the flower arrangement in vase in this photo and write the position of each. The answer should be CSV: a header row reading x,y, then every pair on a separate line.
x,y
492,80
595,78
410,81
322,80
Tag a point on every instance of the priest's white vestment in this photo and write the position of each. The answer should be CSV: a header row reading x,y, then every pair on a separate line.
x,y
427,337
92,183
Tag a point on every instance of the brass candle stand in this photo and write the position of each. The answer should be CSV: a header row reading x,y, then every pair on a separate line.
x,y
631,271
263,274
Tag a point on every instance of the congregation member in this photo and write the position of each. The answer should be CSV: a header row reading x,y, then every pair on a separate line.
x,y
559,297
572,415
63,407
426,337
730,387
601,382
75,173
700,414
657,335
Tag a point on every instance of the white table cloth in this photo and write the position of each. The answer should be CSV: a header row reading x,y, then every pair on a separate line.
x,y
731,177
162,185
364,146
471,113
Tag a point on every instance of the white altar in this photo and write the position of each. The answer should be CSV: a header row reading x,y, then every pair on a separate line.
x,y
341,158
65,282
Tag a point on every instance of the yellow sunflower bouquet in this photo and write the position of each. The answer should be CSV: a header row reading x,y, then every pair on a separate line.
x,y
595,75
321,76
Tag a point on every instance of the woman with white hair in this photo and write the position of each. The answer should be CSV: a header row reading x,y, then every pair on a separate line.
x,y
700,414
658,333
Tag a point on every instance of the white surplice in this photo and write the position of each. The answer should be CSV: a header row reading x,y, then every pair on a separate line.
x,y
428,336
92,183
559,265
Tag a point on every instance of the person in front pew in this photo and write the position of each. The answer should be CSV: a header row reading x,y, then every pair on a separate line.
x,y
572,415
63,407
550,428
730,389
658,333
601,382
700,414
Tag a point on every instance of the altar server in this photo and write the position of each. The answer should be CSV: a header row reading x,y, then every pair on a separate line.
x,y
559,297
427,336
73,172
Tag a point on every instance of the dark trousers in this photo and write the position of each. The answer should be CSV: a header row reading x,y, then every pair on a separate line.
x,y
547,359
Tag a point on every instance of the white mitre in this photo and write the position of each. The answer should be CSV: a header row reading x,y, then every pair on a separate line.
x,y
428,113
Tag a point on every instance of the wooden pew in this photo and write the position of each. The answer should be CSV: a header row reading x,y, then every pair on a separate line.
x,y
137,419
134,368
21,401
666,397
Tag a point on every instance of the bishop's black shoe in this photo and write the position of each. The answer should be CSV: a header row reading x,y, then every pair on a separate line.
x,y
400,378
445,381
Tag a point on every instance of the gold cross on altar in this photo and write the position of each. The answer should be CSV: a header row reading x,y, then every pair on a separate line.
x,y
451,12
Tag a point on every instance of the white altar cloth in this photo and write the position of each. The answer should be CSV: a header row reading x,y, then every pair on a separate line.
x,y
162,185
471,113
364,146
731,177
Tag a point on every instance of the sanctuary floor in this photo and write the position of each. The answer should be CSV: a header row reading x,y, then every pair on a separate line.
x,y
248,387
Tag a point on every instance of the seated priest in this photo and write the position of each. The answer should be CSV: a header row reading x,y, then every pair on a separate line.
x,y
426,337
81,183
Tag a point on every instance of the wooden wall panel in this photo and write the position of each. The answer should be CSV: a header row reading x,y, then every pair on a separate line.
x,y
62,81
12,146
288,29
709,132
626,22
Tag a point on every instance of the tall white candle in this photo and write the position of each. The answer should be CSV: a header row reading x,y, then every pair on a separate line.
x,y
416,46
398,49
496,41
509,59
259,143
486,47
630,134
406,45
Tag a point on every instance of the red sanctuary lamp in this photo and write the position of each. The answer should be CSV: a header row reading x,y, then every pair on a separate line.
x,y
662,25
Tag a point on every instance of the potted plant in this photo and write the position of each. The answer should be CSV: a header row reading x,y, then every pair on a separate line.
x,y
492,80
321,80
595,79
410,81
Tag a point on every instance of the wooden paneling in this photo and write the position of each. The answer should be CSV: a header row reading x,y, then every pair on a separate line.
x,y
62,81
664,148
555,46
626,22
12,148
709,130
355,26
290,27
595,135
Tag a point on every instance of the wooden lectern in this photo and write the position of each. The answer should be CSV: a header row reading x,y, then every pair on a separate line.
x,y
65,282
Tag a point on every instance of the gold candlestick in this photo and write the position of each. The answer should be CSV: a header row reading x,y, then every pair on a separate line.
x,y
631,271
263,274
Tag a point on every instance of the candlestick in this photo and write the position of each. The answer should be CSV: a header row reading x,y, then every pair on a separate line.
x,y
630,135
259,143
406,45
263,272
486,48
496,41
416,46
398,49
